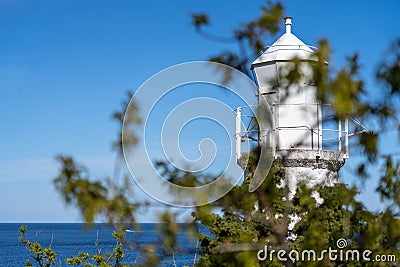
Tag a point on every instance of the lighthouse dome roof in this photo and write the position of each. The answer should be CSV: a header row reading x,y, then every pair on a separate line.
x,y
286,48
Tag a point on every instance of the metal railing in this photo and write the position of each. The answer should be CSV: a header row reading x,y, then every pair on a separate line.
x,y
341,138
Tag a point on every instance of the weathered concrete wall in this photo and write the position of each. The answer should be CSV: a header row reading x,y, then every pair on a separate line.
x,y
323,159
310,167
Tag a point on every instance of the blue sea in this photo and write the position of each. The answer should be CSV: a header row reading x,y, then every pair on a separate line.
x,y
68,239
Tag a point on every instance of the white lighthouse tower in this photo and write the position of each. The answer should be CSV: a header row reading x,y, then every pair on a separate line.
x,y
297,134
296,111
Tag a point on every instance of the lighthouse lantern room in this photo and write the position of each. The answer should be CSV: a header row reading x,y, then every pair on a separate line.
x,y
295,108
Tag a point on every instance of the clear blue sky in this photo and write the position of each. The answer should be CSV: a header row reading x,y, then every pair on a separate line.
x,y
65,65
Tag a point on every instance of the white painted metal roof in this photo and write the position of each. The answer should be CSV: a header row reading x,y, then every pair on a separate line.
x,y
287,47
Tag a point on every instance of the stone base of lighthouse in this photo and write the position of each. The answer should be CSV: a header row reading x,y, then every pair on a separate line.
x,y
312,167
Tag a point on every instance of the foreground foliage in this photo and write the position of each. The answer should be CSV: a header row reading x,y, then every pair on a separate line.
x,y
48,257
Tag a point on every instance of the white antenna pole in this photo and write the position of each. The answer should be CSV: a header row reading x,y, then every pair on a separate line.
x,y
340,135
237,134
346,127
